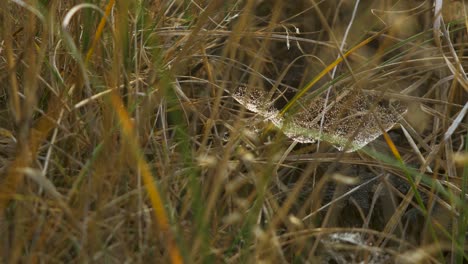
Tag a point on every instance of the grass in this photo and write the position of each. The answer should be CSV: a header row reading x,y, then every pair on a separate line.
x,y
129,145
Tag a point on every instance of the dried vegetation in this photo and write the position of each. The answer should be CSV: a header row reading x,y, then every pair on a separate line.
x,y
179,131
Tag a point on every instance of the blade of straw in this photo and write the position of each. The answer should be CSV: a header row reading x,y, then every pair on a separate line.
x,y
328,69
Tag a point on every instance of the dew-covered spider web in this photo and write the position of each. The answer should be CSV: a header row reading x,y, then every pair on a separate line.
x,y
345,115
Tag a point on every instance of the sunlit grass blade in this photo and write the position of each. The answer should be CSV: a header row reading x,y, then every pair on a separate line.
x,y
327,70
130,136
99,30
160,213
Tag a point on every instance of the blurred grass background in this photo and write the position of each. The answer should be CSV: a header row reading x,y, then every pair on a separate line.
x,y
121,142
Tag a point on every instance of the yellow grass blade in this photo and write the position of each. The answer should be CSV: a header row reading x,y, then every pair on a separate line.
x,y
328,69
99,30
392,146
155,198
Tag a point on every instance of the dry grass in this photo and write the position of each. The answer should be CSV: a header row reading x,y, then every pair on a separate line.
x,y
121,140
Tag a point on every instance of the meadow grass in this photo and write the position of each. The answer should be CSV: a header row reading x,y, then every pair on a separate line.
x,y
122,139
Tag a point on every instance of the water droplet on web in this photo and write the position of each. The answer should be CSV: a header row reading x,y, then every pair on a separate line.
x,y
342,117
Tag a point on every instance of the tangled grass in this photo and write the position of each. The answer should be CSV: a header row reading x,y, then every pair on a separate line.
x,y
122,141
